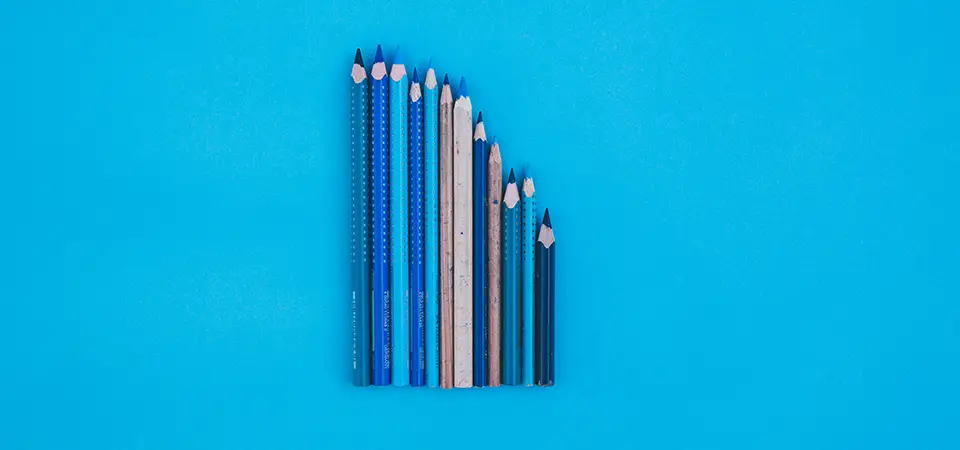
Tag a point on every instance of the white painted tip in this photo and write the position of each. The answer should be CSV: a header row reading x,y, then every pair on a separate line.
x,y
379,71
528,188
511,196
415,92
397,72
358,74
480,132
445,95
431,81
546,236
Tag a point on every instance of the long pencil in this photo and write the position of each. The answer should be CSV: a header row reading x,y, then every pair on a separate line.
x,y
418,349
512,221
480,253
399,252
546,301
380,187
463,238
359,226
432,245
529,233
446,235
494,186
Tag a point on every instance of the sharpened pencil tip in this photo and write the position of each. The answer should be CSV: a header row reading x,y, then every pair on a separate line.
x,y
462,91
446,79
511,178
416,78
480,117
379,56
397,57
358,59
430,63
546,218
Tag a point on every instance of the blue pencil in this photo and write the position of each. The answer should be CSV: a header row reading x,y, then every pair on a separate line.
x,y
417,275
511,282
432,245
480,253
529,235
360,220
380,188
399,256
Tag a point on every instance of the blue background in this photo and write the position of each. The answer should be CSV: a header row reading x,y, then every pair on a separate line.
x,y
755,206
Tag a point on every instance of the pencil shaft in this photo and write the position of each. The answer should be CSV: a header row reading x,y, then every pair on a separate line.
x,y
494,186
359,226
546,293
512,350
432,245
527,300
417,267
380,187
479,257
463,242
446,237
399,251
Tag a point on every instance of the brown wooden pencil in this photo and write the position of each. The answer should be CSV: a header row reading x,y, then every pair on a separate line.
x,y
494,187
446,235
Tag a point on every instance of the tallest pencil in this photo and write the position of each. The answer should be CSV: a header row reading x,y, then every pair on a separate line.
x,y
359,225
399,251
463,238
380,205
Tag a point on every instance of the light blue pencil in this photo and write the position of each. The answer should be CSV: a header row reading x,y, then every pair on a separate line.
x,y
432,246
399,251
529,236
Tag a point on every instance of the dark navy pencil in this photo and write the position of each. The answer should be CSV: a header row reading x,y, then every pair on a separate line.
x,y
480,253
417,268
546,293
380,187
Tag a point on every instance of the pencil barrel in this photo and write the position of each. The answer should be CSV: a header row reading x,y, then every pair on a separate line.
x,y
380,189
359,230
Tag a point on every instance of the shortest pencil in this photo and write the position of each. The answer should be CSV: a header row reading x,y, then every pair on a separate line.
x,y
546,269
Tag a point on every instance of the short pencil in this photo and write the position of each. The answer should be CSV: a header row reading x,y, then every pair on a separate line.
x,y
529,234
360,221
512,221
380,189
546,300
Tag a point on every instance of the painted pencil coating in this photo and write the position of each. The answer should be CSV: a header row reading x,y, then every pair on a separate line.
x,y
494,186
546,303
359,226
527,300
479,253
380,188
417,267
399,251
432,244
463,238
512,221
446,235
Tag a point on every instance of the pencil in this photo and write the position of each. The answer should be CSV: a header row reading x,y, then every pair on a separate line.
x,y
446,235
546,293
399,256
432,245
380,187
511,282
479,253
529,231
359,227
463,238
494,185
417,274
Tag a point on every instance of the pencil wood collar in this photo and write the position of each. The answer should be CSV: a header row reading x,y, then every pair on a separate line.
x,y
358,74
397,72
415,92
431,81
511,196
546,236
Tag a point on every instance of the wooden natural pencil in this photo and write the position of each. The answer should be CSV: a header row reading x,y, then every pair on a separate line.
x,y
546,301
360,221
527,300
446,234
494,186
463,238
432,225
399,245
479,253
380,205
512,220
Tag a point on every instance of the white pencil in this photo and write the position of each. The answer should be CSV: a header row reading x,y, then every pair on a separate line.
x,y
463,238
